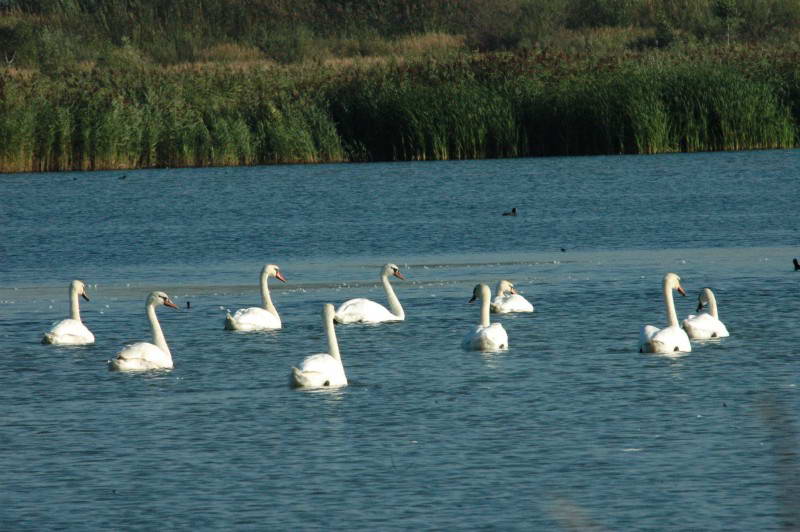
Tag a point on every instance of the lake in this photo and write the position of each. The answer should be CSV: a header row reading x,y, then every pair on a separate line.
x,y
570,428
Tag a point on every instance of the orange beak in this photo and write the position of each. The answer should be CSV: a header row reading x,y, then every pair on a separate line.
x,y
680,290
279,276
169,303
399,275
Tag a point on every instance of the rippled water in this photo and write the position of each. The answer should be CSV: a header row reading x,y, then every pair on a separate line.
x,y
571,428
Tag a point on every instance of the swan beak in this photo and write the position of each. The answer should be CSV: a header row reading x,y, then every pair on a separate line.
x,y
399,275
681,291
279,276
84,296
169,303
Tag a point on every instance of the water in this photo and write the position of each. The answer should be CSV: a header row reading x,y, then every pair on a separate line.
x,y
571,428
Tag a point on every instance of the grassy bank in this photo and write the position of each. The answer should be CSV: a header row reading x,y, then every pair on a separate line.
x,y
469,106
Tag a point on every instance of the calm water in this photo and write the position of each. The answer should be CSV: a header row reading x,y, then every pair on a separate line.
x,y
571,428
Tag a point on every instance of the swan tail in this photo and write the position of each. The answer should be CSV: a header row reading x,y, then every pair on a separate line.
x,y
48,338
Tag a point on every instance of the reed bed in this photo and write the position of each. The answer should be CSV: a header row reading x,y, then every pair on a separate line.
x,y
476,106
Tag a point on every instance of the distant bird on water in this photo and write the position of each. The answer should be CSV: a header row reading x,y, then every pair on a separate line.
x,y
796,264
512,212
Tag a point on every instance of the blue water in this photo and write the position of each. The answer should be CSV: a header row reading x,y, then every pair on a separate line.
x,y
571,428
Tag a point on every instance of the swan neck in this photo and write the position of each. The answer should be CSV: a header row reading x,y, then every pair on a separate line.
x,y
485,304
333,345
712,305
669,303
266,300
155,327
74,306
394,303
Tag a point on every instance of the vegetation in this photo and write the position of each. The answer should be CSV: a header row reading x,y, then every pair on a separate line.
x,y
91,84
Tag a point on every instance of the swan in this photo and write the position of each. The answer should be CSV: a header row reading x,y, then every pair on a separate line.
x,y
143,356
706,325
258,318
71,331
486,336
362,310
508,300
323,369
671,338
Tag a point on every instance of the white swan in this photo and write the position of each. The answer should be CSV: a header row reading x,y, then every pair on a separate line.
x,y
362,310
671,338
258,318
706,325
323,369
486,336
507,299
71,331
143,356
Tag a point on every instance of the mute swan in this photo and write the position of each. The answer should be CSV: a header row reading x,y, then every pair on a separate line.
x,y
706,325
508,300
143,356
258,318
323,369
671,338
362,310
71,331
486,336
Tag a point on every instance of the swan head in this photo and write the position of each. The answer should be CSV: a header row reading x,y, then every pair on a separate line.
x,y
703,298
272,270
80,288
160,298
392,269
505,286
328,312
673,282
480,291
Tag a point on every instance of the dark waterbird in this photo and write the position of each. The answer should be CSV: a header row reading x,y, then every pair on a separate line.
x,y
512,212
796,264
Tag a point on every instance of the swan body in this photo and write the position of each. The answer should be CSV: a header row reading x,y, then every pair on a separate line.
x,y
507,299
706,325
486,336
672,338
71,331
258,318
322,369
362,310
143,356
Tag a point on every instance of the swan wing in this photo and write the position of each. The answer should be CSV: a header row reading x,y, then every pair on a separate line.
x,y
140,357
704,327
362,310
68,332
252,319
317,371
510,303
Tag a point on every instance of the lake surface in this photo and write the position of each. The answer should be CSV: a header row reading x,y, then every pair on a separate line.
x,y
571,428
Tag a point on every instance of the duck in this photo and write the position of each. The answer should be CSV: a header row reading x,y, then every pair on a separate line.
x,y
512,212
